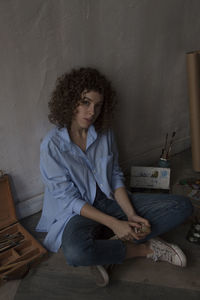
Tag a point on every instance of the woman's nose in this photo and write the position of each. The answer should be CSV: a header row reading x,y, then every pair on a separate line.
x,y
91,109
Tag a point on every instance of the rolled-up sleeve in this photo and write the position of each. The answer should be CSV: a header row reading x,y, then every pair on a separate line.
x,y
58,181
117,174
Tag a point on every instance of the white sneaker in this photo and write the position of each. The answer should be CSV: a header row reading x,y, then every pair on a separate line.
x,y
163,251
100,275
114,237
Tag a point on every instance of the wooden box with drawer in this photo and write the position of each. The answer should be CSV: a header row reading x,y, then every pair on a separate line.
x,y
19,250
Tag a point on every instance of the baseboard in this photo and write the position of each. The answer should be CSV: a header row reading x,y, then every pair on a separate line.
x,y
29,207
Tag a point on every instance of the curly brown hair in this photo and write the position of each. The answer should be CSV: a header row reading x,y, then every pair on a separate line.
x,y
67,96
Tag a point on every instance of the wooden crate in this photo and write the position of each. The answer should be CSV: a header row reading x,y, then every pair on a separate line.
x,y
26,251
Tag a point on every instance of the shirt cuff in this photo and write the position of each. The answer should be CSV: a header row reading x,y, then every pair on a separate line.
x,y
117,184
78,206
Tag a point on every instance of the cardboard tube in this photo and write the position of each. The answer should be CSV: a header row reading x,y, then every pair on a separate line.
x,y
193,70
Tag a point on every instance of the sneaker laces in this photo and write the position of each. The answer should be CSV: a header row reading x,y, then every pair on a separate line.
x,y
159,253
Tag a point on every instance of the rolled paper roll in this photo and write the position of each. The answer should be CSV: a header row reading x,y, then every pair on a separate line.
x,y
193,70
143,229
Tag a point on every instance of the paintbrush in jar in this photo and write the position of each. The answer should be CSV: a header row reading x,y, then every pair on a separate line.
x,y
163,154
170,145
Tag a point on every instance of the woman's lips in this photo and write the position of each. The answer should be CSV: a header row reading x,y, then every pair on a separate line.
x,y
88,120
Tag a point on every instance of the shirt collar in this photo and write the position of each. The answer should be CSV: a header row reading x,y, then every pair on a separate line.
x,y
63,132
91,137
65,141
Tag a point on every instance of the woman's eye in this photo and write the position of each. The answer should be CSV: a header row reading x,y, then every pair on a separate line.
x,y
85,102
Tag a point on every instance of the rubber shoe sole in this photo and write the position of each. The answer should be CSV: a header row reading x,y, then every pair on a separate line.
x,y
100,275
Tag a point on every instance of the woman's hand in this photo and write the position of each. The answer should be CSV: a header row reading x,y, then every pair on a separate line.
x,y
126,230
138,219
145,227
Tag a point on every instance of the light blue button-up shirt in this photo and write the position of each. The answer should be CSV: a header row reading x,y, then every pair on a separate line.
x,y
70,176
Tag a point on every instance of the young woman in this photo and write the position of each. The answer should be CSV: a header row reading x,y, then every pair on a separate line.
x,y
85,201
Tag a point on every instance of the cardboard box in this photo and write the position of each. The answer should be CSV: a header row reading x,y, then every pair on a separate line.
x,y
150,177
19,250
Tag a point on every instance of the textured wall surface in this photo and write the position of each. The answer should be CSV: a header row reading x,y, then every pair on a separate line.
x,y
140,45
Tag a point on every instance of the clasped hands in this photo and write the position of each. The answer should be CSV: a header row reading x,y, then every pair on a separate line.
x,y
135,228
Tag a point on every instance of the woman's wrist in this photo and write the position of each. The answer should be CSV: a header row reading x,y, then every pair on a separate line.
x,y
131,213
124,202
114,224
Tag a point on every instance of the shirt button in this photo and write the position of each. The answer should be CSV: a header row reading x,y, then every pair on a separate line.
x,y
101,185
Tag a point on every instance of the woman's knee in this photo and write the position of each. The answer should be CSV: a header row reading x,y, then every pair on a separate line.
x,y
185,205
72,255
179,202
76,254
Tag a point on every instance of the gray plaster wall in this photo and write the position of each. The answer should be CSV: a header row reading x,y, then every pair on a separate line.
x,y
140,45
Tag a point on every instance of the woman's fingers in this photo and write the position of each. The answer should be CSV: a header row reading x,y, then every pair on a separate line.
x,y
129,230
134,224
141,228
128,238
146,222
133,234
139,231
129,235
140,220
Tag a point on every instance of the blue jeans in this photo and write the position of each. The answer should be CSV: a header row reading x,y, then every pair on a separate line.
x,y
86,242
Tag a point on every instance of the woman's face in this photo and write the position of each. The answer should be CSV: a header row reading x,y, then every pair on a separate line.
x,y
88,109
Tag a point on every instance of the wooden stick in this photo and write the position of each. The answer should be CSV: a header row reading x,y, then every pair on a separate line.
x,y
12,240
5,246
19,263
7,267
170,145
163,154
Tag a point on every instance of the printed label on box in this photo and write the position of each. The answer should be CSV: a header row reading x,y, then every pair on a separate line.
x,y
150,177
